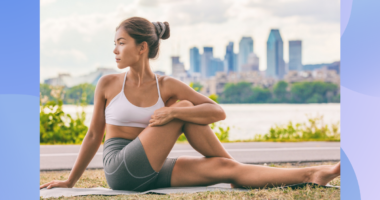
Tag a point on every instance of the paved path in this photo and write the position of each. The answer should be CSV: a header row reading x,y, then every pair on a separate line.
x,y
62,157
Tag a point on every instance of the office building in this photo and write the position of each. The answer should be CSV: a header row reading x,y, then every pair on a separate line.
x,y
252,63
205,60
295,55
216,65
195,62
245,48
229,57
178,68
275,55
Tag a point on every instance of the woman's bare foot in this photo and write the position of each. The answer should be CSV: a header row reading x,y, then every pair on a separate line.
x,y
236,186
324,174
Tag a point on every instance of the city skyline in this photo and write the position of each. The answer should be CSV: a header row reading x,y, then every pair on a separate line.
x,y
77,41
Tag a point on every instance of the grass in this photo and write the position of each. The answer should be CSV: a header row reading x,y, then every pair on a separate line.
x,y
96,178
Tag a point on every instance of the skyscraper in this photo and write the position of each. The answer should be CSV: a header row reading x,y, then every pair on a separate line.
x,y
205,60
295,55
195,63
236,57
252,63
177,67
216,65
275,55
245,48
229,57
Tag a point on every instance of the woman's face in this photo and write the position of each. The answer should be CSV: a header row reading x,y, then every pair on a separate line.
x,y
126,51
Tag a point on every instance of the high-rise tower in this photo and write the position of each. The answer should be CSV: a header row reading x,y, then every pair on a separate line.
x,y
205,60
275,55
177,67
245,48
195,62
295,55
229,57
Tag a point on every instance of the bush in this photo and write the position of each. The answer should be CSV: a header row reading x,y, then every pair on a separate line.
x,y
223,134
57,127
313,130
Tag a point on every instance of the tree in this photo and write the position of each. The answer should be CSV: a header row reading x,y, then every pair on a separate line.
x,y
82,93
313,92
237,93
280,91
260,95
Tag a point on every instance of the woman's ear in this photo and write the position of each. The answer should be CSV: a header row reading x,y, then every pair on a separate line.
x,y
143,47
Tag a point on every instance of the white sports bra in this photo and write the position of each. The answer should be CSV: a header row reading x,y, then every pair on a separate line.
x,y
121,112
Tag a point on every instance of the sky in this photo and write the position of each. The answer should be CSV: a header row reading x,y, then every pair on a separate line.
x,y
77,37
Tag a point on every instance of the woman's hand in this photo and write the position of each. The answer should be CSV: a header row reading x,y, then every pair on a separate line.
x,y
51,184
161,116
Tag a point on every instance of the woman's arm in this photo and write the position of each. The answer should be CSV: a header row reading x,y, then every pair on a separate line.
x,y
94,136
91,141
204,111
88,149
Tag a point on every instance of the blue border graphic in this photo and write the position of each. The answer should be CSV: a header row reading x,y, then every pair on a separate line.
x,y
360,99
19,99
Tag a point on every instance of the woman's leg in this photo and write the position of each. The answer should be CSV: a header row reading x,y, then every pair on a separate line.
x,y
202,138
158,141
190,171
164,137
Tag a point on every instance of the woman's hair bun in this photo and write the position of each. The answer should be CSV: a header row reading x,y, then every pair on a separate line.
x,y
166,34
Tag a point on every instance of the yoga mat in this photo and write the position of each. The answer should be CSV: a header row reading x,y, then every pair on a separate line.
x,y
68,192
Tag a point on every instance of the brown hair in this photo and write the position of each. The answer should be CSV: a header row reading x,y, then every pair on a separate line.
x,y
142,30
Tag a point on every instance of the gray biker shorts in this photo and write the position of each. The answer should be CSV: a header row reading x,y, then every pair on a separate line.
x,y
127,167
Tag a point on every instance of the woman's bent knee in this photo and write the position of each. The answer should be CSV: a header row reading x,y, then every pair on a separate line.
x,y
227,167
225,163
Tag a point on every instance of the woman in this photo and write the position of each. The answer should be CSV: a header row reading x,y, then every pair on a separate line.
x,y
142,130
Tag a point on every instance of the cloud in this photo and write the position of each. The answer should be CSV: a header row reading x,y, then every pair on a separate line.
x,y
195,12
88,25
46,2
322,10
68,54
155,3
149,3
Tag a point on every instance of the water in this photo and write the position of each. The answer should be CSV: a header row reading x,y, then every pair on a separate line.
x,y
246,120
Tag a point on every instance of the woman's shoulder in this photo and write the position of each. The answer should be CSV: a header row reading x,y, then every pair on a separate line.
x,y
109,80
165,79
170,83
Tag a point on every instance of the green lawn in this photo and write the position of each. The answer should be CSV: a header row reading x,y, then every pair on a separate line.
x,y
96,178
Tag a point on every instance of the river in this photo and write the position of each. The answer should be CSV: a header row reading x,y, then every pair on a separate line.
x,y
246,120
